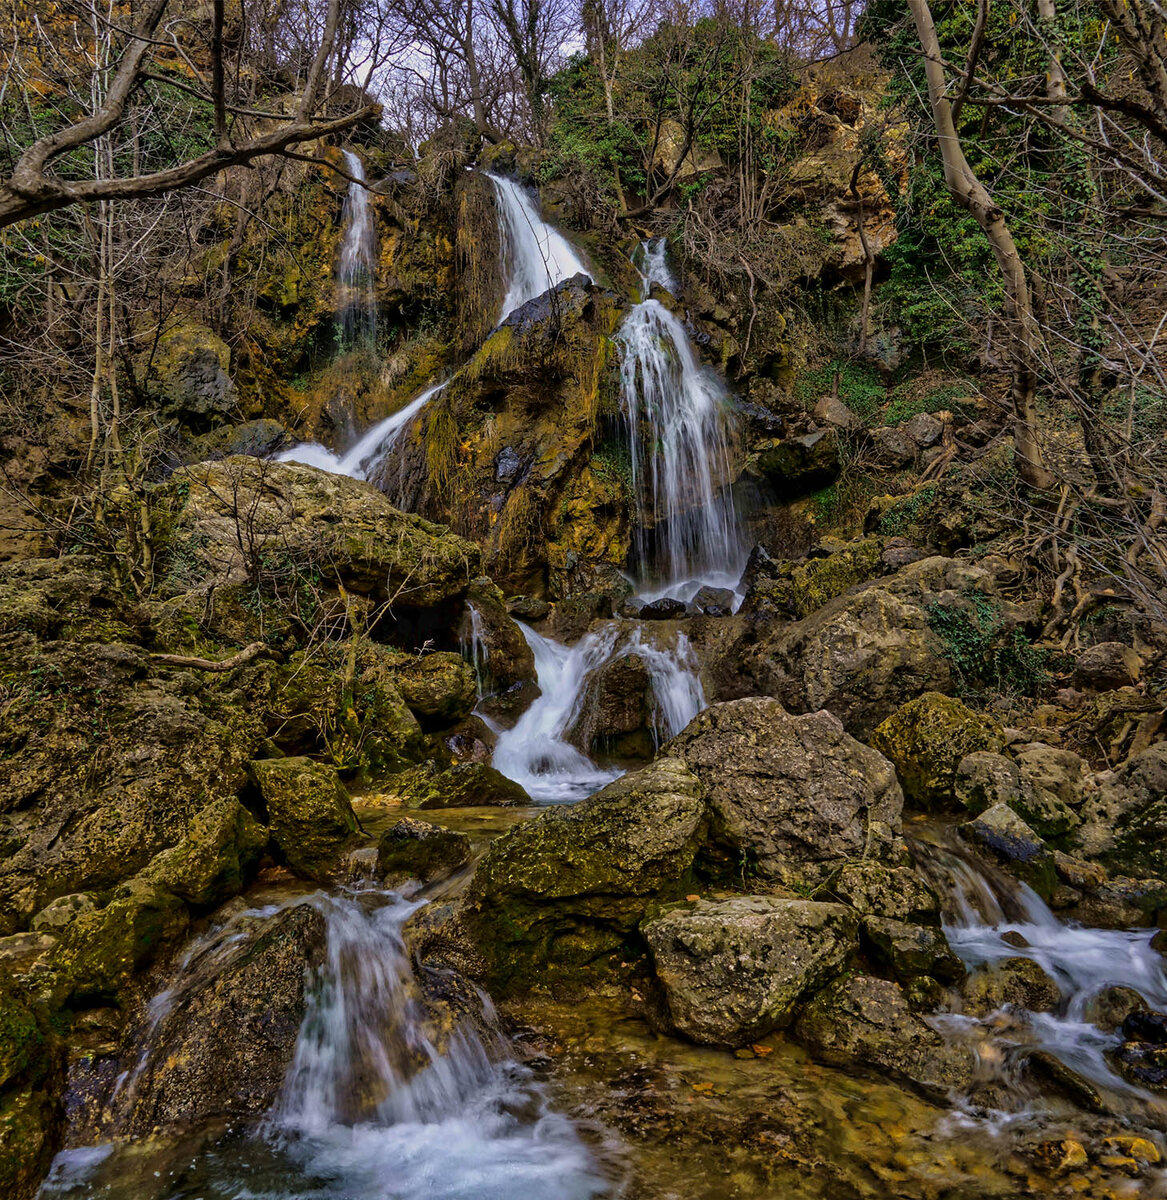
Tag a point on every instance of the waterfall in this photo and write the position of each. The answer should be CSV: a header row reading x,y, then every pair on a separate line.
x,y
677,694
537,257
679,430
357,270
367,454
654,258
988,917
378,1103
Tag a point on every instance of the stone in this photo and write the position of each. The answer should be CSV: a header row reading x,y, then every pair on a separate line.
x,y
800,465
1122,902
1078,873
225,1050
898,893
1124,822
616,710
714,601
1106,666
924,429
260,439
927,739
555,897
506,658
861,1021
63,911
309,813
412,849
910,950
799,588
734,970
664,609
795,797
190,365
1064,1079
463,785
832,411
1014,981
527,608
893,448
1007,838
439,688
1110,1007
985,778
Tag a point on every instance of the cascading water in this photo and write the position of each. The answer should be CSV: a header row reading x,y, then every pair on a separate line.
x,y
362,461
535,751
372,1107
680,429
987,919
537,256
357,269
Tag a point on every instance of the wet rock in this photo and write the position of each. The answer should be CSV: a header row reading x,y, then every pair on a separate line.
x,y
1142,1063
714,602
734,970
412,849
911,950
616,711
1143,1025
801,465
985,778
1106,666
29,1127
508,658
309,813
225,1049
898,893
464,785
860,1021
1006,837
439,688
470,741
1017,981
573,615
927,739
558,895
795,796
1058,1157
664,609
527,608
507,706
1079,874
21,952
1124,825
1122,902
1112,1006
1054,1073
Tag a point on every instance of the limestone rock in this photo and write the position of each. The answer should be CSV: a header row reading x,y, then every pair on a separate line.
x,y
1017,981
803,464
862,1021
439,688
558,894
1124,826
1106,666
616,712
896,892
412,849
833,411
911,950
983,779
734,970
927,738
924,429
463,785
507,658
1006,837
796,796
309,812
190,365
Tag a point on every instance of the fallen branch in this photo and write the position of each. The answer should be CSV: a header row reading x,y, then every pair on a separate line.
x,y
246,655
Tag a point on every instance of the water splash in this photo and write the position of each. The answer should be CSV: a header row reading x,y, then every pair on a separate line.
x,y
537,257
680,426
366,457
357,269
654,266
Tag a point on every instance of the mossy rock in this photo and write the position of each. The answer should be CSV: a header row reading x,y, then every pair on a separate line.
x,y
412,849
29,1118
309,812
798,589
927,738
21,1041
464,785
439,688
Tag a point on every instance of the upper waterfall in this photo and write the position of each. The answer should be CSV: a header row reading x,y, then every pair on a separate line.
x,y
357,268
536,256
680,429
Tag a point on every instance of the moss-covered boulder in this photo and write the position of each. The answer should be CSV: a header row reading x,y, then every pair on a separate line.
x,y
439,688
800,465
616,714
877,889
1124,823
734,970
797,589
505,658
1016,981
412,849
1004,837
910,950
860,1021
927,738
555,898
189,369
309,813
29,1122
983,779
463,785
792,797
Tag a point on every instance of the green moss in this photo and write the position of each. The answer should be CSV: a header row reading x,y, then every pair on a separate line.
x,y
982,655
897,520
859,387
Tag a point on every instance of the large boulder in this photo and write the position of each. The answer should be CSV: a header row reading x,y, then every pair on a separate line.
x,y
927,738
502,656
792,797
1015,981
798,588
1106,666
439,688
860,1021
616,712
1124,825
734,970
561,893
463,785
412,849
309,812
190,369
1003,836
243,515
800,465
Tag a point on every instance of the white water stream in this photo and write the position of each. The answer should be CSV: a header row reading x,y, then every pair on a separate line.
x,y
357,269
371,1107
537,257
